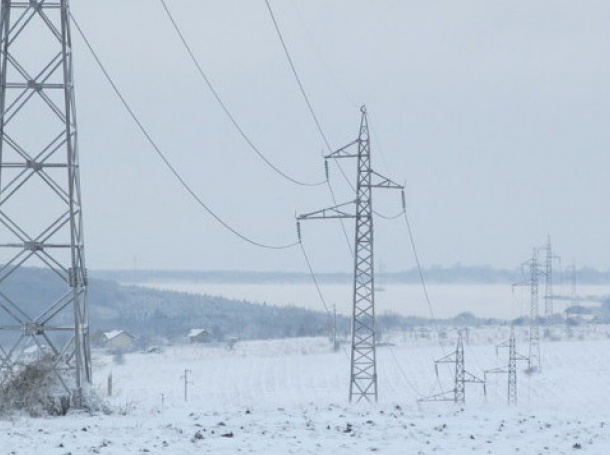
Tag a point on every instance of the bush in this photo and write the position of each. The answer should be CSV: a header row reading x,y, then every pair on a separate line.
x,y
35,389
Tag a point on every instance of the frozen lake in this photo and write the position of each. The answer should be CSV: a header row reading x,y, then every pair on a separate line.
x,y
448,300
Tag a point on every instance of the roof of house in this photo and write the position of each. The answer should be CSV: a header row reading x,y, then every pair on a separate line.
x,y
197,332
115,333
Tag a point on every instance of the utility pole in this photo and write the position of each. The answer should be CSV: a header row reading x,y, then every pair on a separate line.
x,y
186,383
363,369
511,369
548,276
40,196
461,376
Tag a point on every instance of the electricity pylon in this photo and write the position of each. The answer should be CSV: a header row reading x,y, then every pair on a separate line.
x,y
534,331
548,276
40,197
363,370
461,376
511,369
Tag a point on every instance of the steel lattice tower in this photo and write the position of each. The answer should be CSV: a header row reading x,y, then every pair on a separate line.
x,y
363,370
39,170
460,378
534,345
511,368
548,277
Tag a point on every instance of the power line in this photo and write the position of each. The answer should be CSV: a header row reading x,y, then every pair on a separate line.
x,y
325,64
162,156
224,107
419,268
296,76
421,275
314,117
314,278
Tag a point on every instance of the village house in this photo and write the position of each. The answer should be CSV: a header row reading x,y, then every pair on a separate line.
x,y
199,336
118,340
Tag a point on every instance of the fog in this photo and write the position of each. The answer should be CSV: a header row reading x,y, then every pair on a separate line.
x,y
494,113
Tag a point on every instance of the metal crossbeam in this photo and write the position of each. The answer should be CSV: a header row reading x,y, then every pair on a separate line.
x,y
37,101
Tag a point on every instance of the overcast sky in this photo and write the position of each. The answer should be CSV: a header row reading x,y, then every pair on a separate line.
x,y
494,113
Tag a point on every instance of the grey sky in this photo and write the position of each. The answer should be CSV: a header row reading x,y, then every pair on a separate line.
x,y
495,113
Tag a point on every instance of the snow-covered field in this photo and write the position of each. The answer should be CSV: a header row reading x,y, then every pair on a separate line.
x,y
290,396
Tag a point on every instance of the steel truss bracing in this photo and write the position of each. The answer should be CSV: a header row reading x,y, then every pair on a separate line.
x,y
511,369
40,196
363,370
461,376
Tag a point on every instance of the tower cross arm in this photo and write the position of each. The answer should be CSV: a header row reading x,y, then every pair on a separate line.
x,y
520,357
338,211
500,370
344,152
379,181
469,377
443,396
449,358
522,283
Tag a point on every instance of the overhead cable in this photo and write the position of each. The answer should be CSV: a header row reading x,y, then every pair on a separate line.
x,y
314,117
224,107
421,277
314,278
296,76
165,160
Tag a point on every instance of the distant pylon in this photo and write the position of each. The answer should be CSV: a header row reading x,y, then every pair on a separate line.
x,y
534,329
363,369
511,369
461,376
548,277
534,345
40,197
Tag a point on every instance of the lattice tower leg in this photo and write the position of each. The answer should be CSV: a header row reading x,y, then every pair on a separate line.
x,y
40,196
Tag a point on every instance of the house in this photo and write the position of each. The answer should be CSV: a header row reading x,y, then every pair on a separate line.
x,y
118,340
199,336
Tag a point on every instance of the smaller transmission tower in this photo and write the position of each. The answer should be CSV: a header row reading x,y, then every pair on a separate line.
x,y
511,369
548,276
534,332
363,376
534,347
461,377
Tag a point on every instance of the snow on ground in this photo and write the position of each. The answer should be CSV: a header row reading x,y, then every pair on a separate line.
x,y
290,396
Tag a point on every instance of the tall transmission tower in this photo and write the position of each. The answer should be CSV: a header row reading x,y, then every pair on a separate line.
x,y
511,369
40,197
363,369
460,378
548,276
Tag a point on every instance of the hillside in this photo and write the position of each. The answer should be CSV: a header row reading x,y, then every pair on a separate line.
x,y
147,313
